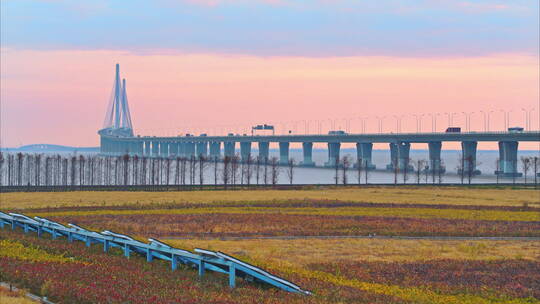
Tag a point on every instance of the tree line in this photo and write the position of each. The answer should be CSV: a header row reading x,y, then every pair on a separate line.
x,y
26,169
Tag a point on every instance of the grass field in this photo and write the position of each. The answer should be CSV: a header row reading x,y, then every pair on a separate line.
x,y
402,195
337,270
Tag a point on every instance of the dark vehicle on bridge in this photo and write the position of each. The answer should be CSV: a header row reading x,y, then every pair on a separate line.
x,y
515,129
338,132
453,130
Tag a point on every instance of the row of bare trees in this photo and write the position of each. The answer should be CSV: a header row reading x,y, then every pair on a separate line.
x,y
72,170
419,168
75,170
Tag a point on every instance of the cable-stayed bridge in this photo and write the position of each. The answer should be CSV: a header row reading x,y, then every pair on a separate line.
x,y
117,138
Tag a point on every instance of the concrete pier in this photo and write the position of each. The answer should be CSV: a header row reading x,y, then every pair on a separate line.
x,y
399,154
202,149
215,150
283,153
435,156
182,149
508,161
173,149
229,148
163,149
333,154
245,150
264,150
155,148
469,157
307,148
364,152
190,149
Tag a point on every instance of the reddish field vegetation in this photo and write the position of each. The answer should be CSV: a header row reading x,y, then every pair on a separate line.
x,y
96,277
219,225
514,278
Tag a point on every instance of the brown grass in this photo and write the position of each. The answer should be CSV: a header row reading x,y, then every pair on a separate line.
x,y
10,297
302,252
408,195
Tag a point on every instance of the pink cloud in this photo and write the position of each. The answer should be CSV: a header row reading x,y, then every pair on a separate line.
x,y
61,96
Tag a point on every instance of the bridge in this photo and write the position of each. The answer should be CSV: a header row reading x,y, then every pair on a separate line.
x,y
117,139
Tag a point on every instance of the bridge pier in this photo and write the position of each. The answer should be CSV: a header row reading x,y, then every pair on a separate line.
x,y
283,153
190,149
173,149
435,157
364,152
333,154
229,147
215,150
202,149
399,155
163,149
155,148
307,148
140,148
469,157
508,159
264,150
146,147
245,150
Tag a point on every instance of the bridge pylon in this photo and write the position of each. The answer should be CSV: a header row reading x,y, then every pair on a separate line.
x,y
118,118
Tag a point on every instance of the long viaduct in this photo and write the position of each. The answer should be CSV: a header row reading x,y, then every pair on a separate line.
x,y
117,139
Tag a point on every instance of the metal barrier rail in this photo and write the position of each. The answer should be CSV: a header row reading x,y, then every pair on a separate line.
x,y
201,259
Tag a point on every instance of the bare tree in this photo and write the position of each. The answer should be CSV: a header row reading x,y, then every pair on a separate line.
x,y
406,165
167,170
235,166
525,165
359,167
274,170
249,169
20,158
202,168
257,168
125,168
336,170
395,167
216,161
2,160
73,167
2,168
470,168
440,171
226,170
192,169
291,164
265,171
345,164
535,165
497,168
461,168
419,166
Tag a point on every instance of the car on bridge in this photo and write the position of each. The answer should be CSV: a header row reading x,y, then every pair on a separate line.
x,y
453,130
338,132
515,129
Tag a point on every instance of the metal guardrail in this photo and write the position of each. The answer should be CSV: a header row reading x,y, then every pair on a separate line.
x,y
202,259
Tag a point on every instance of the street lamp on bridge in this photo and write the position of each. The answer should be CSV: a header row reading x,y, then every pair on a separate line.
x,y
527,118
468,120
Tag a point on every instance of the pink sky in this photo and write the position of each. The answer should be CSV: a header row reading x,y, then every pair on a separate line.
x,y
60,97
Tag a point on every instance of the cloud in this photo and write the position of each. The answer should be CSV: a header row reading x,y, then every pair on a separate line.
x,y
316,28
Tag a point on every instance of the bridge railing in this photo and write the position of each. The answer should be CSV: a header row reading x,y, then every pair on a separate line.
x,y
202,259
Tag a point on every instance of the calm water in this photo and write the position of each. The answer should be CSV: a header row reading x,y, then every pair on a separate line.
x,y
485,163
